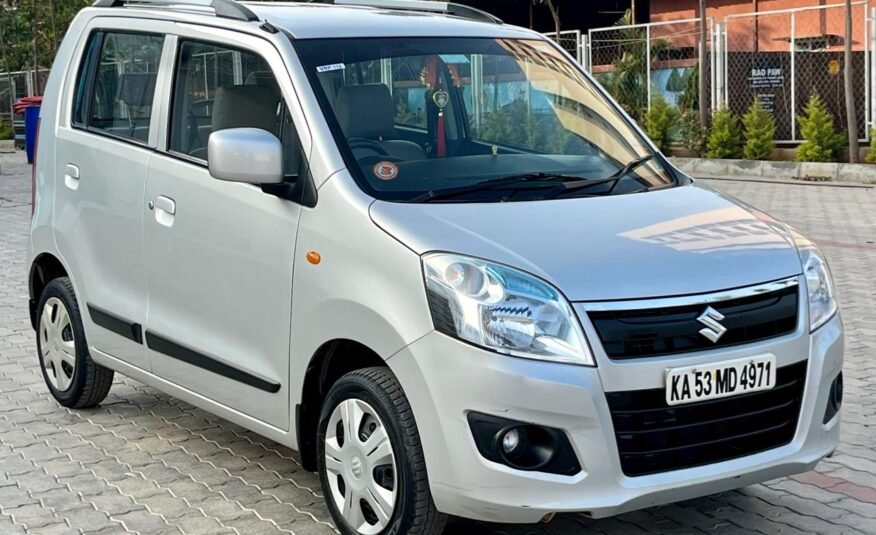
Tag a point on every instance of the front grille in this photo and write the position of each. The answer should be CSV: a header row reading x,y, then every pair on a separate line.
x,y
653,437
629,334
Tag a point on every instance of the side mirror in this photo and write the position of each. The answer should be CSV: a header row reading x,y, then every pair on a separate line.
x,y
248,155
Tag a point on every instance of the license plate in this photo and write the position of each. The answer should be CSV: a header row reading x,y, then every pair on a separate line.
x,y
720,380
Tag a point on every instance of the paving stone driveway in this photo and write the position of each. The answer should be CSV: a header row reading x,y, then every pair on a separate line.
x,y
144,462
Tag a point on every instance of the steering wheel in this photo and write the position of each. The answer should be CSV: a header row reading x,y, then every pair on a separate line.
x,y
370,144
201,104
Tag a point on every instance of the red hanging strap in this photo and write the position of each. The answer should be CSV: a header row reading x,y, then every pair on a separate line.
x,y
432,79
441,136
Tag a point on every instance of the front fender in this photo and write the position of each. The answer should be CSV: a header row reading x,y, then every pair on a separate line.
x,y
367,287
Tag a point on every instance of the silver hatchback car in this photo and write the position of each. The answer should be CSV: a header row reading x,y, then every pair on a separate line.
x,y
426,250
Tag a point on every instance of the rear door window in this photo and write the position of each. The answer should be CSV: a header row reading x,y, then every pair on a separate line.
x,y
122,85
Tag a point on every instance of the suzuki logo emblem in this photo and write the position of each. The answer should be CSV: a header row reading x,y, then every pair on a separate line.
x,y
711,318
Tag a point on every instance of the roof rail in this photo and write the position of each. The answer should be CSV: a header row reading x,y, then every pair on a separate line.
x,y
448,8
228,9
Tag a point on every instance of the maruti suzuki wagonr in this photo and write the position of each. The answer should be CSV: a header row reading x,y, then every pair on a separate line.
x,y
424,249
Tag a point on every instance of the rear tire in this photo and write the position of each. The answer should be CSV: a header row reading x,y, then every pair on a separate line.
x,y
371,403
74,379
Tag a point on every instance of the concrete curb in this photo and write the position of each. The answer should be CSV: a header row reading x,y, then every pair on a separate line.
x,y
832,172
784,181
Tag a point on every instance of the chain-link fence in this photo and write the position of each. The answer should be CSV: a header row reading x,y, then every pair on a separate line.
x,y
13,86
22,85
784,57
781,57
641,63
573,42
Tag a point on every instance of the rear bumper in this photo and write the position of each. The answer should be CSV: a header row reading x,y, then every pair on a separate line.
x,y
445,379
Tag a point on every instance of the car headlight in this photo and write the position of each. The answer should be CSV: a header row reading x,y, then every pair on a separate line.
x,y
819,285
502,309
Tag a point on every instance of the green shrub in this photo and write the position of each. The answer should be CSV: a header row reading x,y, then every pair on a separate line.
x,y
725,138
760,132
692,133
660,121
821,139
871,156
6,131
689,100
513,124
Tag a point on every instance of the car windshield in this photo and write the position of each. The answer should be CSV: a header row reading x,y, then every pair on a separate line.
x,y
457,119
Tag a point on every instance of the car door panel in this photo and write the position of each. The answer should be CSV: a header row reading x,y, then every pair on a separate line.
x,y
220,288
99,197
218,258
98,228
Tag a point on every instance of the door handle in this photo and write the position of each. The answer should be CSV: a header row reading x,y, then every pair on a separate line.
x,y
165,210
165,203
71,176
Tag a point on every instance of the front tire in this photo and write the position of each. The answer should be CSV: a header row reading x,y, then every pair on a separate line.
x,y
74,379
371,462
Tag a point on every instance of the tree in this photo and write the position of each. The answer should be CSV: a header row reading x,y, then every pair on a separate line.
x,y
5,52
554,7
676,82
689,100
692,133
760,132
851,115
33,29
724,138
629,80
821,139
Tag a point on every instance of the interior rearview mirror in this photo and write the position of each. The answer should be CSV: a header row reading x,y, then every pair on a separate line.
x,y
249,155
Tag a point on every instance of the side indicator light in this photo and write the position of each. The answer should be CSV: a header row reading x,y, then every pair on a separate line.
x,y
314,257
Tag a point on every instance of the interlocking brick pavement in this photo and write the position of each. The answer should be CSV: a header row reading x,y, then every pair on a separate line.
x,y
145,462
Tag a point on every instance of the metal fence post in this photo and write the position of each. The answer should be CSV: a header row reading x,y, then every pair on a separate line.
x,y
589,44
582,52
867,89
793,41
648,64
871,63
719,68
386,74
477,84
29,83
726,63
713,64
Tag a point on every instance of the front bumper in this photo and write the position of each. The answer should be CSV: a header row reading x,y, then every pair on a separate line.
x,y
445,379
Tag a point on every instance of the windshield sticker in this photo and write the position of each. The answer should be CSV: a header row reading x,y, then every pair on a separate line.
x,y
386,170
332,67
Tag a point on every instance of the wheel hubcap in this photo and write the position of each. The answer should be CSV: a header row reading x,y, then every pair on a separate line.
x,y
356,468
57,344
360,466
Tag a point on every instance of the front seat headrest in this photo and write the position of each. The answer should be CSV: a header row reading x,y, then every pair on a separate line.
x,y
365,110
246,106
265,78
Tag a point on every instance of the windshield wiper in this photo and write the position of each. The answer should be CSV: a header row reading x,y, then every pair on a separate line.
x,y
486,185
614,179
